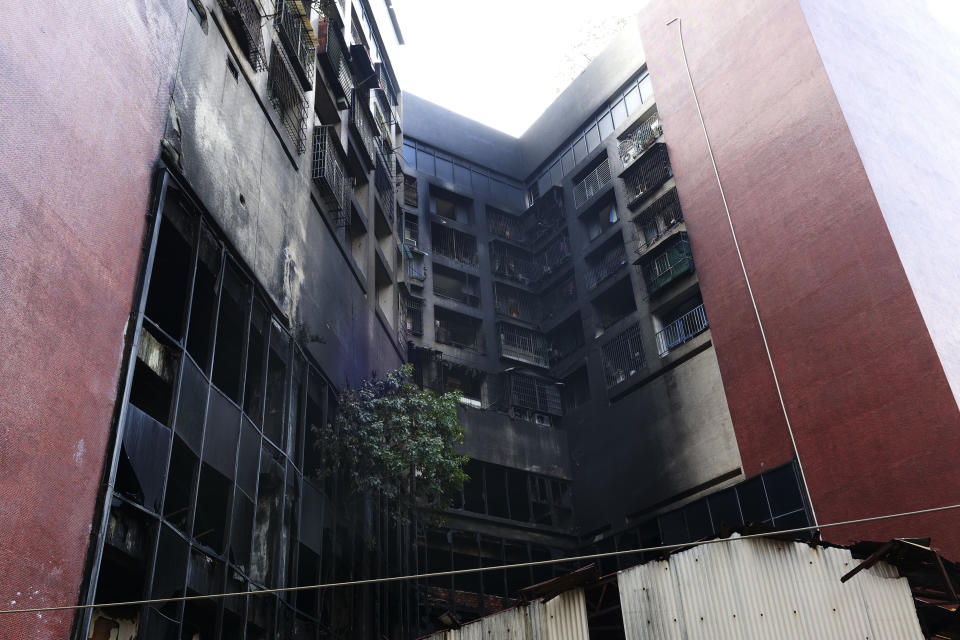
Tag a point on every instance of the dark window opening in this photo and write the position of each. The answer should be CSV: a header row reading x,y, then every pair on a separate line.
x,y
614,304
181,480
566,338
222,435
456,285
192,405
256,358
458,330
172,552
213,509
143,457
231,332
449,206
312,454
497,500
241,534
454,245
267,552
204,305
172,263
154,376
576,389
273,420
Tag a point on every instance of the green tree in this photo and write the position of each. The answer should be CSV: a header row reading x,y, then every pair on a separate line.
x,y
393,438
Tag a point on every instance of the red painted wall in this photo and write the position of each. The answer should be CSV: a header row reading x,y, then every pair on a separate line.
x,y
84,89
876,424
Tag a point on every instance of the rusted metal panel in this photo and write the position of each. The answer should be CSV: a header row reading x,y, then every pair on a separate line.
x,y
763,589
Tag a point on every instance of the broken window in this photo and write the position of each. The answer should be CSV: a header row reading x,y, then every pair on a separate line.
x,y
222,435
172,263
143,458
231,330
248,459
277,366
154,376
181,480
256,359
204,305
192,405
241,534
213,508
266,562
172,551
312,453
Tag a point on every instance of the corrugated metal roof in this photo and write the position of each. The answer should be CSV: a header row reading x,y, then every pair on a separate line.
x,y
762,589
561,618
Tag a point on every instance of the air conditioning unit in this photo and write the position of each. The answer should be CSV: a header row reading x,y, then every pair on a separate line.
x,y
542,419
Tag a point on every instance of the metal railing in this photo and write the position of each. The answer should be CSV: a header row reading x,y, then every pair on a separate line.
x,y
623,356
515,303
459,334
361,124
524,345
647,174
673,261
538,395
384,184
410,197
609,263
331,52
514,264
633,146
296,34
506,226
454,245
592,183
413,316
544,216
244,20
287,97
328,169
690,324
657,220
555,254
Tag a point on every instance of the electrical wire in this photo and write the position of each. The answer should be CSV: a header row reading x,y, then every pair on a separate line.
x,y
456,572
746,278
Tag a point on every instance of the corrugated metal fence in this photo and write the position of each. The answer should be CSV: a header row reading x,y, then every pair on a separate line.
x,y
758,589
561,618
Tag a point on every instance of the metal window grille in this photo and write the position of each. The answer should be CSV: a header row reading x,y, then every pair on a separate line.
x,y
544,215
592,183
525,345
384,184
458,330
244,20
515,264
411,229
413,310
608,263
633,146
555,254
297,35
454,245
456,285
558,297
410,197
535,394
361,123
671,261
647,174
684,328
657,220
515,303
287,97
330,50
415,267
328,170
506,226
623,356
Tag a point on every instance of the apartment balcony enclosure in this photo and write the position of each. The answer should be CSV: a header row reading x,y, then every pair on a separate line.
x,y
592,183
605,263
297,36
657,221
243,18
634,144
623,357
647,174
672,260
515,303
329,172
458,330
686,327
385,185
514,264
361,125
523,345
331,51
454,245
535,393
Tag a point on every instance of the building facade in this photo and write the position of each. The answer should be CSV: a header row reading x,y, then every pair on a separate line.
x,y
704,290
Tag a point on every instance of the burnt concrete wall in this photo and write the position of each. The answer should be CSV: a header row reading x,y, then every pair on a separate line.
x,y
870,405
234,145
494,437
84,90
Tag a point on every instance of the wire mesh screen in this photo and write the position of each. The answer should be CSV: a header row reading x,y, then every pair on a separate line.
x,y
331,47
647,174
535,394
638,141
657,220
592,183
296,34
328,170
601,267
525,345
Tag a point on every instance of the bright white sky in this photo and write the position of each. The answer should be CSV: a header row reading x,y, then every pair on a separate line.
x,y
501,62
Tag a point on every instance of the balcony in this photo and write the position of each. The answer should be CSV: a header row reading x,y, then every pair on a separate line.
x,y
636,143
646,175
558,297
412,320
410,197
328,168
414,270
296,34
361,126
606,264
330,51
523,345
554,255
683,329
515,303
672,261
384,183
591,184
545,215
535,394
458,330
287,97
243,17
456,285
514,264
505,226
657,221
623,356
454,245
